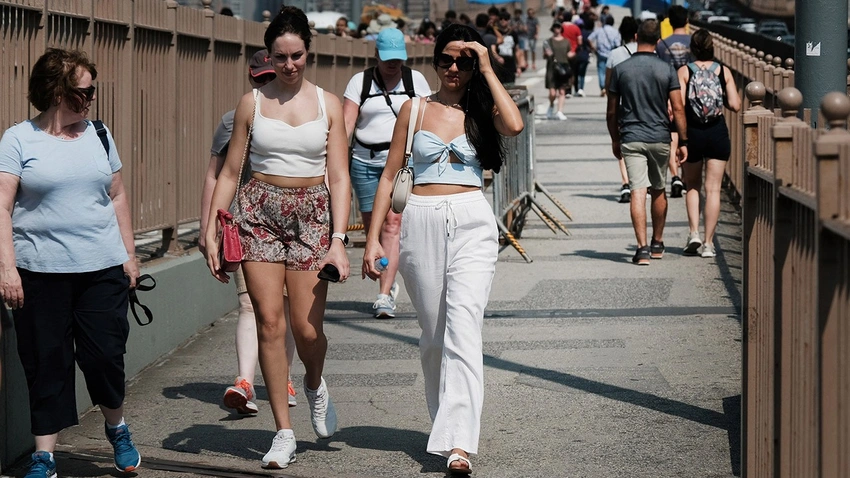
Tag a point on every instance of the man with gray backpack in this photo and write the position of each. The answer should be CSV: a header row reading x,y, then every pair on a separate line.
x,y
708,87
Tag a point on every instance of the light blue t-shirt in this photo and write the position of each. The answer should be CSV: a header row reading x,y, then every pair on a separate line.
x,y
63,218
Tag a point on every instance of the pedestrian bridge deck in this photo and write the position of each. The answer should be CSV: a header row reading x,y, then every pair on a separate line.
x,y
594,367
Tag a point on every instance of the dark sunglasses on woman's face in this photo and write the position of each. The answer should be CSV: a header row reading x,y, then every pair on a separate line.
x,y
88,93
464,63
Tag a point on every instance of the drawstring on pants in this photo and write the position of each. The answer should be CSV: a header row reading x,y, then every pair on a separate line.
x,y
451,220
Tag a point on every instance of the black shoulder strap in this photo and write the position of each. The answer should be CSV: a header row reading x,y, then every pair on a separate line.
x,y
101,133
368,74
407,81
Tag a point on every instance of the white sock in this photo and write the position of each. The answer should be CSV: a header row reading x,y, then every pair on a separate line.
x,y
286,432
113,427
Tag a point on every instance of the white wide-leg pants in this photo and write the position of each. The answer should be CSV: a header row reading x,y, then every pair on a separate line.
x,y
449,249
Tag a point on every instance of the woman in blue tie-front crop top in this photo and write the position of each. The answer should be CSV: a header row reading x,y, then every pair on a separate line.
x,y
285,215
449,240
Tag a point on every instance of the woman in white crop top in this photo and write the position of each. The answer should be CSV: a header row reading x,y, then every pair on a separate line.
x,y
449,226
286,216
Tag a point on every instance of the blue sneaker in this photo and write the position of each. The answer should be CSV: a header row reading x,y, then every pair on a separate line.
x,y
127,457
42,466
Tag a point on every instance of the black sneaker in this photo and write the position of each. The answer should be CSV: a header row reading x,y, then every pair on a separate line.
x,y
656,249
625,194
642,256
676,187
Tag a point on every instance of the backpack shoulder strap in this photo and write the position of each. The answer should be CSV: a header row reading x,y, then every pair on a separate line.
x,y
368,75
407,81
101,133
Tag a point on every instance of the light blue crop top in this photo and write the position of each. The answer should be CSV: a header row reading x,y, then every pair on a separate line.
x,y
431,160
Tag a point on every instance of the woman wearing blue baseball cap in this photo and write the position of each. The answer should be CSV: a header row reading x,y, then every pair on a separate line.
x,y
372,101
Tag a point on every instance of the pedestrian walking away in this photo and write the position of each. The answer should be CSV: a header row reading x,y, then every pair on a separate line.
x,y
602,41
708,87
67,257
639,125
295,134
240,396
449,240
372,100
628,32
675,49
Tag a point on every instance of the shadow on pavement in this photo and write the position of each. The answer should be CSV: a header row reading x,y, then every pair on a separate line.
x,y
732,410
392,439
219,439
617,257
613,196
207,392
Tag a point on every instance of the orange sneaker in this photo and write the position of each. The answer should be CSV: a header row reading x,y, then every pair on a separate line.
x,y
240,397
292,401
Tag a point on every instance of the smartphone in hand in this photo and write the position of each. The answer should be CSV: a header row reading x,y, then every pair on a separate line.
x,y
329,273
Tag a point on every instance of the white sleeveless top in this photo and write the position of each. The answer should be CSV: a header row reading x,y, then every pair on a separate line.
x,y
279,149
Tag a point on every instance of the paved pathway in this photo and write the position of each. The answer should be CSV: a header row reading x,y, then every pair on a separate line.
x,y
594,367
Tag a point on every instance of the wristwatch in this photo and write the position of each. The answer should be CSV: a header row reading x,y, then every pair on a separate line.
x,y
683,142
341,236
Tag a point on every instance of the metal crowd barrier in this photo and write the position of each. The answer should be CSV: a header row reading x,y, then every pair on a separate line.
x,y
515,188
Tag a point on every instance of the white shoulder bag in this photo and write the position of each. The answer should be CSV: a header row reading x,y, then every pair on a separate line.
x,y
403,181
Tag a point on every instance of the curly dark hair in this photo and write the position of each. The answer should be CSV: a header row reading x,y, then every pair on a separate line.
x,y
55,76
288,20
478,101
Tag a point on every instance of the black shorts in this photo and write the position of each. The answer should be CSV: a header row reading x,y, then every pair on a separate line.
x,y
709,142
72,317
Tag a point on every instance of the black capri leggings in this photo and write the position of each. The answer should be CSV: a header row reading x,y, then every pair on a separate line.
x,y
63,312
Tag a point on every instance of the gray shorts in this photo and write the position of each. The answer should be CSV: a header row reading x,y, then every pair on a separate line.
x,y
646,164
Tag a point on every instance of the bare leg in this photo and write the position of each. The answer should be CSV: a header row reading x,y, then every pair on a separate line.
x,y
265,286
714,169
673,161
246,339
624,173
290,340
659,212
637,207
561,98
307,297
390,235
46,442
113,416
693,184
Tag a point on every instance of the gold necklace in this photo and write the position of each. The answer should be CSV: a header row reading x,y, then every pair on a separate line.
x,y
447,105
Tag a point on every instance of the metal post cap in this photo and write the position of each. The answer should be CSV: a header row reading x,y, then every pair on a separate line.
x,y
835,107
756,92
777,62
789,63
207,4
790,100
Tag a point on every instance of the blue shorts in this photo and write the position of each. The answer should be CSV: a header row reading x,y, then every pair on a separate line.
x,y
364,180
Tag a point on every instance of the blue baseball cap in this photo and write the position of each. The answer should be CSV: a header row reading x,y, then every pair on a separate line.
x,y
390,44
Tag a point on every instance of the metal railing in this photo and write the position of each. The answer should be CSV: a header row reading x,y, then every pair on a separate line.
x,y
796,213
515,188
166,74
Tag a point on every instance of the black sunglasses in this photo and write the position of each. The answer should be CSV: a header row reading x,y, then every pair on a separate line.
x,y
134,300
464,63
88,93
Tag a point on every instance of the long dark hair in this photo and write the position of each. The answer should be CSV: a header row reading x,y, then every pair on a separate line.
x,y
478,102
288,20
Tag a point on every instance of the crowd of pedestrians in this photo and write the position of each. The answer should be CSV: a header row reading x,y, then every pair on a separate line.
x,y
284,162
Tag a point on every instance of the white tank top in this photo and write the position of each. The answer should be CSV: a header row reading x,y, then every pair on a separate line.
x,y
279,149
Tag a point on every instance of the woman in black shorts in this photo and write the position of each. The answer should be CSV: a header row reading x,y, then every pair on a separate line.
x,y
708,144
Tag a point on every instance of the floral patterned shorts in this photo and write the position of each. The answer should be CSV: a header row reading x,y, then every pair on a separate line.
x,y
289,225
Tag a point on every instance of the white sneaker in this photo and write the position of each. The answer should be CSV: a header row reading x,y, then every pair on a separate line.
x,y
550,113
560,116
322,411
568,95
580,93
282,452
693,244
394,291
384,307
708,250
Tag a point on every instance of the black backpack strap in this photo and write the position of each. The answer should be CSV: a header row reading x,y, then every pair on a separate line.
x,y
101,133
368,74
407,81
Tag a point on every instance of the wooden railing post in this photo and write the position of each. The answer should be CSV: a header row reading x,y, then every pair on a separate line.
x,y
757,361
831,149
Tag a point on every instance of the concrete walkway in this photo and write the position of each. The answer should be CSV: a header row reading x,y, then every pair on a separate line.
x,y
594,367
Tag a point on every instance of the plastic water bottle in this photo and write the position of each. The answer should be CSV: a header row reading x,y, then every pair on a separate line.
x,y
381,264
